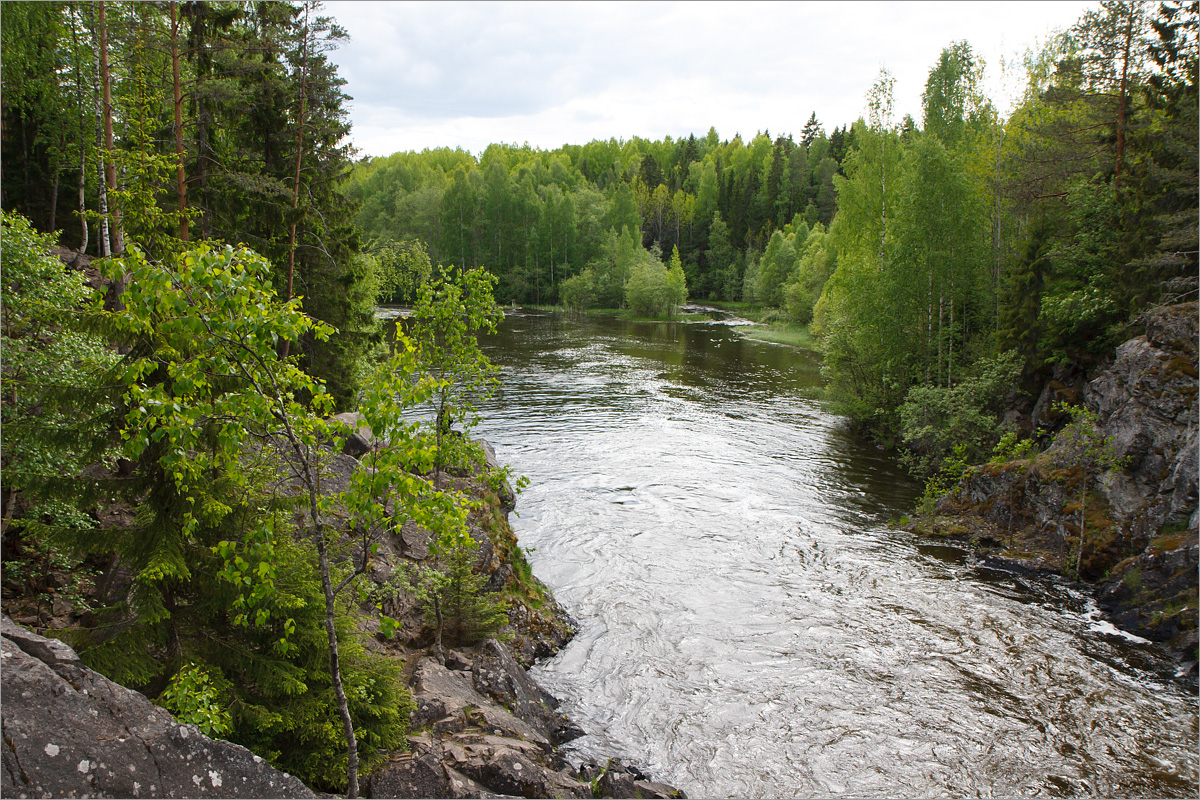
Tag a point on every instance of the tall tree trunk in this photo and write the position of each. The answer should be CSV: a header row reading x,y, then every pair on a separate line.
x,y
950,344
118,240
105,246
180,173
76,24
882,194
291,268
83,224
941,336
929,327
335,667
57,176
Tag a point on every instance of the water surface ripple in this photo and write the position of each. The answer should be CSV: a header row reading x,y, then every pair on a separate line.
x,y
749,626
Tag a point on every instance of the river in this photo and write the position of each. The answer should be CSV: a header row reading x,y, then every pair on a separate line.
x,y
750,626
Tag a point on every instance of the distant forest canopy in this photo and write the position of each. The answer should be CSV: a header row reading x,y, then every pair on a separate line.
x,y
537,217
927,255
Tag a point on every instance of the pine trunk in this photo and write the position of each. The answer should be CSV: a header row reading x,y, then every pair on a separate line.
x,y
57,176
284,346
1122,100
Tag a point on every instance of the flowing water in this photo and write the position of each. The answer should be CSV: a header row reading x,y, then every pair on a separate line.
x,y
749,625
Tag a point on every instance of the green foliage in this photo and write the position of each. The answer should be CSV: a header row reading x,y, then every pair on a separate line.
x,y
53,370
817,261
259,101
1080,302
776,266
284,706
400,269
653,289
579,291
453,591
936,420
537,218
38,567
952,468
722,259
146,172
388,490
202,383
212,413
453,375
1082,444
53,416
196,699
619,255
1011,447
450,311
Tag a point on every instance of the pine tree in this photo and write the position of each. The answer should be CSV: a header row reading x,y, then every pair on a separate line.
x,y
812,129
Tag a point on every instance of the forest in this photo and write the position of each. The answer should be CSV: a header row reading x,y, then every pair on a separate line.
x,y
194,157
919,252
936,260
185,308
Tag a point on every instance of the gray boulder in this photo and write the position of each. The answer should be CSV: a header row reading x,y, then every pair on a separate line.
x,y
361,439
498,675
71,732
421,773
470,746
509,767
448,703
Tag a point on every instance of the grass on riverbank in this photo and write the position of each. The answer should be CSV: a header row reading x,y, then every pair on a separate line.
x,y
768,327
787,333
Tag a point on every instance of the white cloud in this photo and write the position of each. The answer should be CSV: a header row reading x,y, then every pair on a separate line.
x,y
467,74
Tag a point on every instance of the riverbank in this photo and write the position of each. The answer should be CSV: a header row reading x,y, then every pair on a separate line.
x,y
482,725
1128,533
749,322
479,726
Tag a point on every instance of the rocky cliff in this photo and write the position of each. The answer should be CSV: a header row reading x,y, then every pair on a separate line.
x,y
1138,521
71,732
483,727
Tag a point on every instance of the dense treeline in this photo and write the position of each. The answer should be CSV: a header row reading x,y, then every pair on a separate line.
x,y
940,261
972,252
174,499
154,123
537,218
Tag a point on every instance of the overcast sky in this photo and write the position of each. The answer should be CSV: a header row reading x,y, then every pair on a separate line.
x,y
444,74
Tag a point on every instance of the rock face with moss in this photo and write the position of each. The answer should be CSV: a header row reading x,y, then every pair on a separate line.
x,y
71,732
482,726
1139,520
